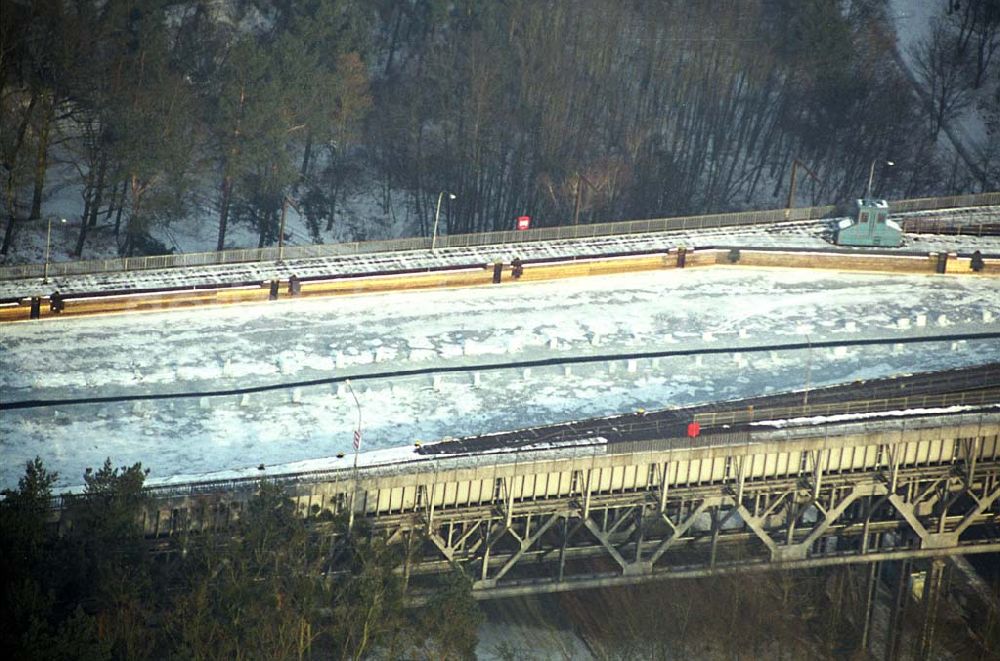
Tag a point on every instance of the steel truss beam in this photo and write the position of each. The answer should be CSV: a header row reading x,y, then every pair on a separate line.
x,y
625,538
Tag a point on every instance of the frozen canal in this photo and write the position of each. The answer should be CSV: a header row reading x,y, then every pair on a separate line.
x,y
286,342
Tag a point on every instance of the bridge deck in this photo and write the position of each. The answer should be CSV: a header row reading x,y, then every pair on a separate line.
x,y
802,235
829,494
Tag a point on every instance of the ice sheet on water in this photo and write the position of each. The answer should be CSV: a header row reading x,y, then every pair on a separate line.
x,y
259,345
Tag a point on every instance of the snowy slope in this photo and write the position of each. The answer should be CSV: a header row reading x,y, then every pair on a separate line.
x,y
914,21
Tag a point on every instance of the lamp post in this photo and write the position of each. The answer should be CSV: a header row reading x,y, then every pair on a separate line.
x,y
871,176
809,355
357,449
796,163
48,246
437,216
285,201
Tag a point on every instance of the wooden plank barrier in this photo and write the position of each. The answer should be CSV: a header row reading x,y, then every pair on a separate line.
x,y
963,266
705,258
837,261
588,267
130,302
916,264
16,311
469,277
248,294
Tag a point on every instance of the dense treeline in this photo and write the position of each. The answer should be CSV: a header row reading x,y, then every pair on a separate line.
x,y
569,111
96,591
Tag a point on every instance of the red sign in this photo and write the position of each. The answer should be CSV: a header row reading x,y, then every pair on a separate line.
x,y
694,429
523,222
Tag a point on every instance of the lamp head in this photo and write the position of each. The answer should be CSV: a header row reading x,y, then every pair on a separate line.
x,y
451,196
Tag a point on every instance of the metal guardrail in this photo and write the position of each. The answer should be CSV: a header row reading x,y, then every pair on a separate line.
x,y
566,232
952,202
882,405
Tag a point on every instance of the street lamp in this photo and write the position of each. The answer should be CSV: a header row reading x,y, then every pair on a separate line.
x,y
809,355
437,216
285,201
48,246
871,175
357,449
796,163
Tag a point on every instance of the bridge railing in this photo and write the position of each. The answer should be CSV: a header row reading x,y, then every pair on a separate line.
x,y
565,232
952,202
860,407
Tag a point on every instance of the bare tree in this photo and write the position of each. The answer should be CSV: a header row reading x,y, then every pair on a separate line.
x,y
940,71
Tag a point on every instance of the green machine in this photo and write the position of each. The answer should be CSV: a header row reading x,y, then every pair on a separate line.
x,y
872,227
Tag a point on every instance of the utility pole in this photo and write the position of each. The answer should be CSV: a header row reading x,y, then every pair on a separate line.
x,y
796,163
48,247
357,449
871,176
437,216
580,180
285,201
809,353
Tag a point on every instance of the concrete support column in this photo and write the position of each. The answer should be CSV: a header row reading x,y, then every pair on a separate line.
x,y
486,551
894,635
562,548
929,604
871,599
407,560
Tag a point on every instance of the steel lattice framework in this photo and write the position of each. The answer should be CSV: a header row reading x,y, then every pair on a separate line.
x,y
610,514
612,539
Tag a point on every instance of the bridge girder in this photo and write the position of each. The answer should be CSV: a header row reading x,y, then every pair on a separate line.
x,y
627,538
818,496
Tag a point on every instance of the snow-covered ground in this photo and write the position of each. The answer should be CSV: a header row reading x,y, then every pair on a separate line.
x,y
914,22
210,349
362,215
